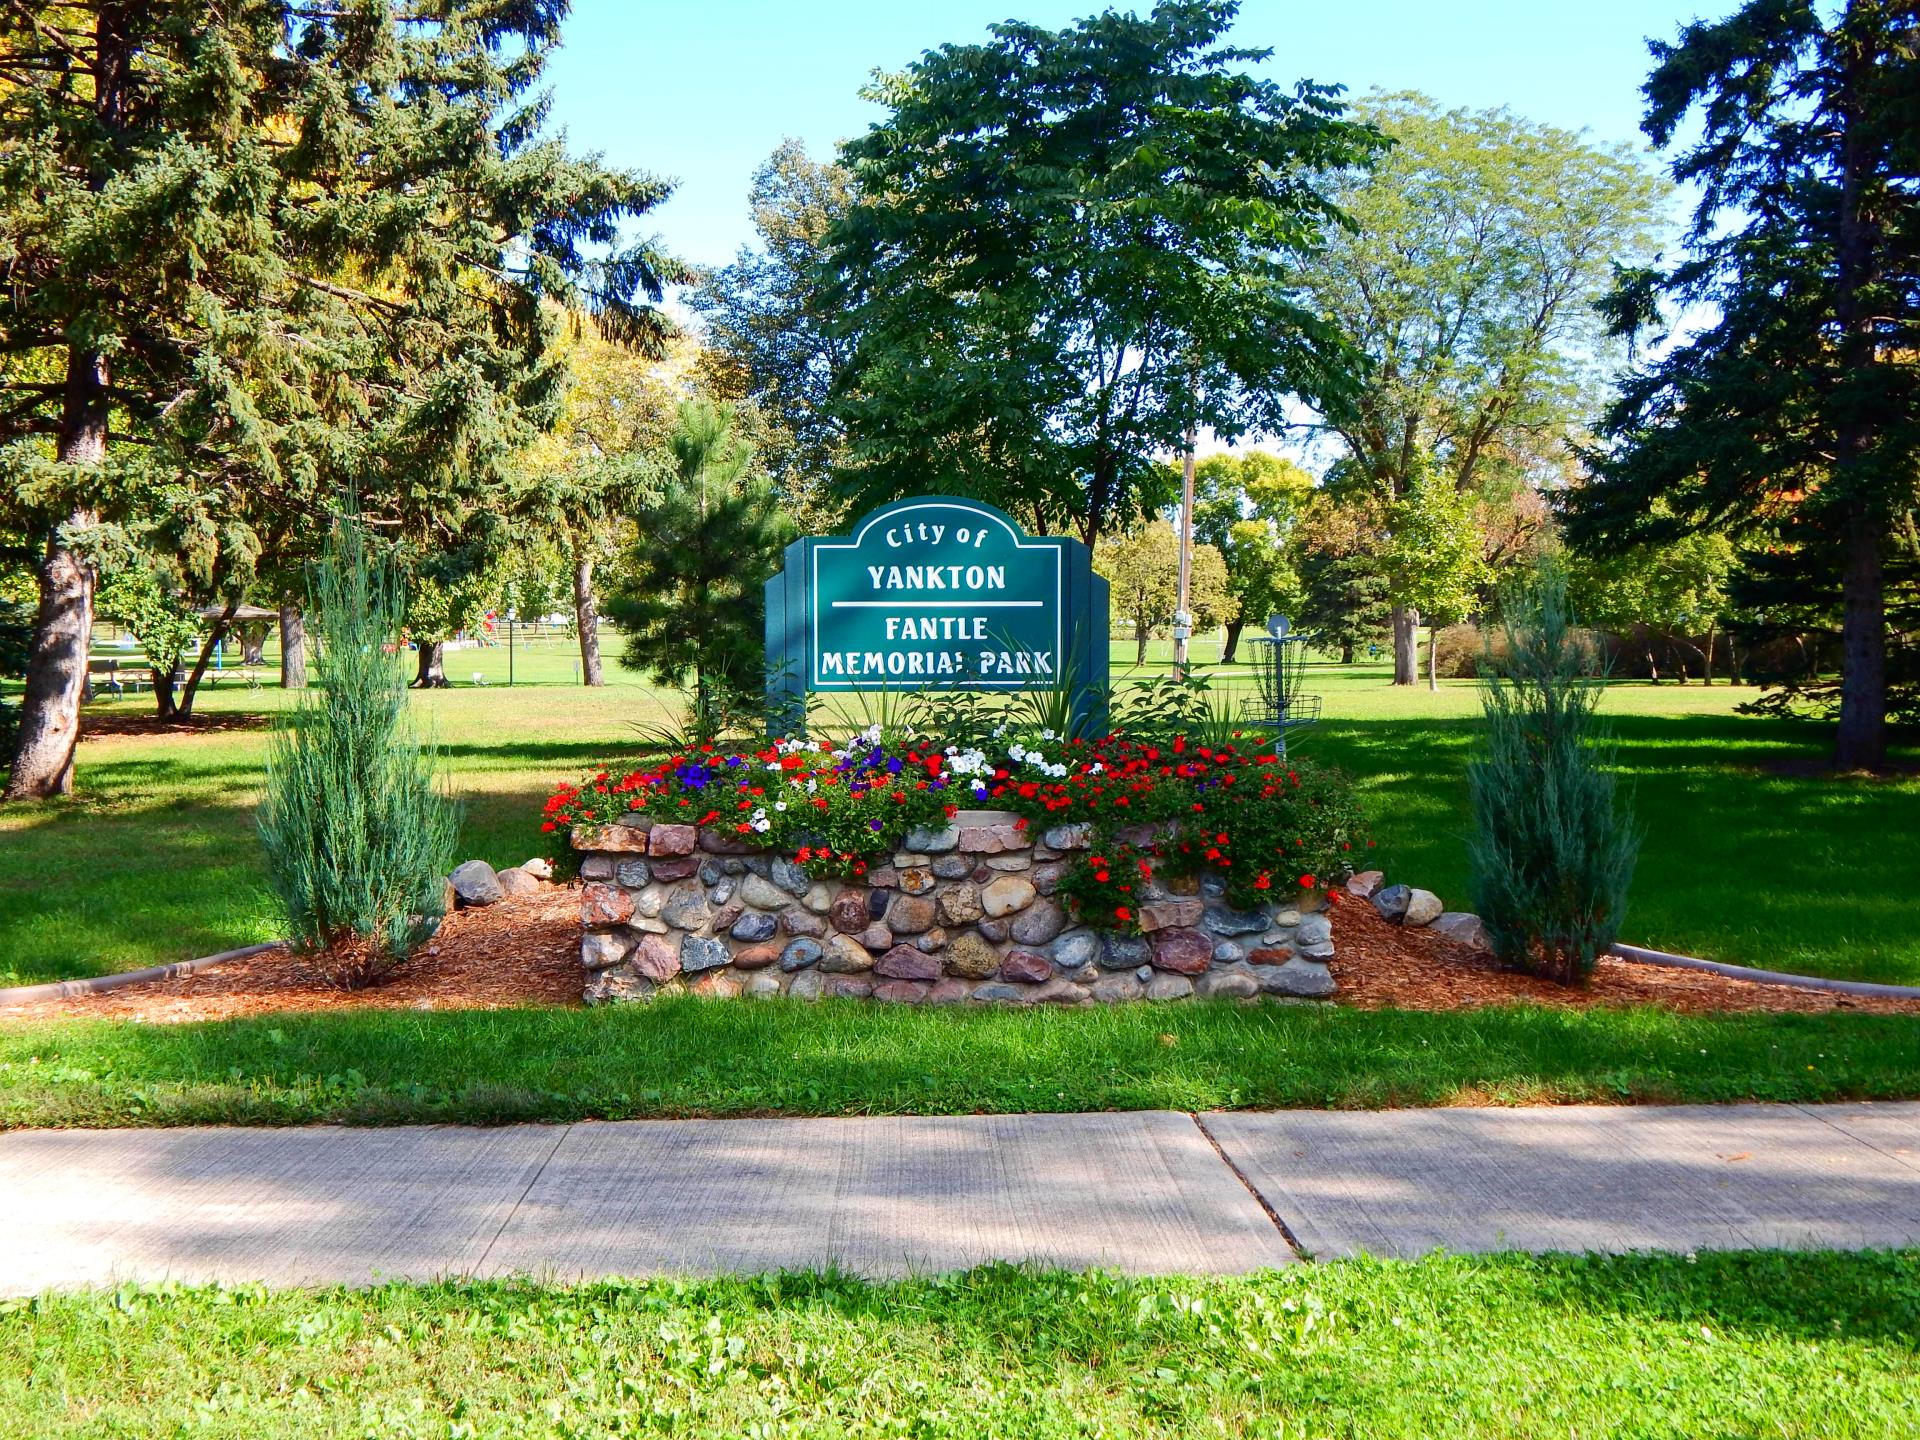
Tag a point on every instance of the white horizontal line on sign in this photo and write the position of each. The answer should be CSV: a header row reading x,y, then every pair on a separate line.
x,y
934,604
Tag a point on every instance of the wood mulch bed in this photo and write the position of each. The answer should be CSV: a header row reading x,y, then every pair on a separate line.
x,y
1380,965
525,951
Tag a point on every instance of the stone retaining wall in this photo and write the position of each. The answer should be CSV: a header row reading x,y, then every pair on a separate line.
x,y
964,913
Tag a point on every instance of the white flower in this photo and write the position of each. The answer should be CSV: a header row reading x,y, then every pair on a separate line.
x,y
1048,735
779,804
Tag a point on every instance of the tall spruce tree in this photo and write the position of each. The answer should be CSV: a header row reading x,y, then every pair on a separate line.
x,y
1793,419
275,253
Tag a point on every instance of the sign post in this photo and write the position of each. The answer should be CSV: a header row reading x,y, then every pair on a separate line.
x,y
935,593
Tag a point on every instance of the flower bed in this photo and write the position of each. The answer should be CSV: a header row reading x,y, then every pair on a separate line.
x,y
1109,871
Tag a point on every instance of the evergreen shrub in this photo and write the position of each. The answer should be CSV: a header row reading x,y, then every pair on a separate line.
x,y
358,830
1553,849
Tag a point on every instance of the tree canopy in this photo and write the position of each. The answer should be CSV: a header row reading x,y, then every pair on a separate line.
x,y
269,255
1069,247
1791,416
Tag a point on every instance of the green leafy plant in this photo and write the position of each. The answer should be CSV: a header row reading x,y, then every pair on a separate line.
x,y
1552,851
1103,887
358,832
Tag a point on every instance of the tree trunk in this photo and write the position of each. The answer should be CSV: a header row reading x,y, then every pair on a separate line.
x,y
1433,658
1646,648
253,644
1406,664
432,672
1232,647
587,619
1346,653
1706,658
214,637
63,625
1862,741
293,647
165,705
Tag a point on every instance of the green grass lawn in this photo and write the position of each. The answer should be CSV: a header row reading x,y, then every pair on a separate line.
x,y
1788,1345
689,1057
1745,859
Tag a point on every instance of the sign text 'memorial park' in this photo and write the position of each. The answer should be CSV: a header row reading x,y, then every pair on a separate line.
x,y
935,593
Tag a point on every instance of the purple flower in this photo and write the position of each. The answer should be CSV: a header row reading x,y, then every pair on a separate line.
x,y
873,824
894,765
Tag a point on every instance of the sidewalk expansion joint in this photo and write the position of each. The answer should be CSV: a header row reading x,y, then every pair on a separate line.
x,y
1251,1189
514,1209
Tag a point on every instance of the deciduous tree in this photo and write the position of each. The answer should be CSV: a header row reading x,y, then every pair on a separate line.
x,y
1479,245
1070,246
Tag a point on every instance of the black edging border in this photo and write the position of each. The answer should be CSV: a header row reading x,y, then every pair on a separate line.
x,y
98,984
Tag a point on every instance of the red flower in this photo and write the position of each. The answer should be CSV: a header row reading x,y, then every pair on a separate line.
x,y
1306,882
1121,912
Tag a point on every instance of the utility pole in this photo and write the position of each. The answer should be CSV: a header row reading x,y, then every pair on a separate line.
x,y
1182,613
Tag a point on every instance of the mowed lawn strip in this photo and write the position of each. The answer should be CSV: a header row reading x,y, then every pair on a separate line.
x,y
1776,1344
687,1057
1747,858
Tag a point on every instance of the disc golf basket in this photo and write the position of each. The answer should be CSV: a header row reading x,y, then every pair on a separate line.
x,y
1280,666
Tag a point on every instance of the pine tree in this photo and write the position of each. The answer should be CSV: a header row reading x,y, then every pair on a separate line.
x,y
272,253
1793,420
690,592
358,834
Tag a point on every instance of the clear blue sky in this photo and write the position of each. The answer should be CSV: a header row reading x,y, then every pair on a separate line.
x,y
702,92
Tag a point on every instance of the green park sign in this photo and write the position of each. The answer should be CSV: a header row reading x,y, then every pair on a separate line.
x,y
935,593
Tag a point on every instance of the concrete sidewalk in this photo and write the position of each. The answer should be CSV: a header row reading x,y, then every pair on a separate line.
x,y
1147,1192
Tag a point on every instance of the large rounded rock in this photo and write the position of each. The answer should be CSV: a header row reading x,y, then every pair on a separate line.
x,y
903,962
901,992
800,953
1391,901
848,911
1120,952
1074,949
600,952
1007,894
672,840
1463,926
763,894
1038,923
656,957
516,882
604,905
916,881
932,842
702,952
1185,952
789,876
686,908
754,926
1025,967
807,985
1169,987
910,914
1306,979
1423,908
1226,985
970,956
474,883
633,874
961,904
845,956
